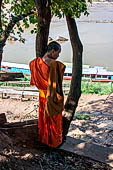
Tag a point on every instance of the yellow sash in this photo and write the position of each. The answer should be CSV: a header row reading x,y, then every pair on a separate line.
x,y
42,93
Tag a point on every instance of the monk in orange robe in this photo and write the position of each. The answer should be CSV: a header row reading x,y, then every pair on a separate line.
x,y
47,76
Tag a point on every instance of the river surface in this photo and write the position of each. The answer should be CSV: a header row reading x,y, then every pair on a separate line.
x,y
95,31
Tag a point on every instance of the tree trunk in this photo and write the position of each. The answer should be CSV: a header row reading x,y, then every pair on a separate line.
x,y
0,59
75,88
0,12
0,33
44,19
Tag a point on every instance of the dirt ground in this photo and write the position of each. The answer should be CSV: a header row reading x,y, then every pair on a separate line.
x,y
17,109
96,127
97,110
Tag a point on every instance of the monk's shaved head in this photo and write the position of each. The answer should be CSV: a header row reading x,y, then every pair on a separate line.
x,y
53,46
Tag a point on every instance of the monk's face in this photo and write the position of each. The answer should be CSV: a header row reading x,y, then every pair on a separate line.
x,y
55,54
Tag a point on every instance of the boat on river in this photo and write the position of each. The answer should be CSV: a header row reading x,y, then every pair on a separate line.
x,y
94,74
14,67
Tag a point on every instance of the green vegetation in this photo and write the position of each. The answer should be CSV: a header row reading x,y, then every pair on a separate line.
x,y
23,82
16,84
93,88
87,87
82,116
1,83
28,116
26,78
96,87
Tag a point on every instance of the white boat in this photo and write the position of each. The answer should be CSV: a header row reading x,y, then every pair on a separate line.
x,y
94,74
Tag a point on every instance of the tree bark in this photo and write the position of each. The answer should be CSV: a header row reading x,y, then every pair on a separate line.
x,y
44,19
75,88
0,59
0,12
0,33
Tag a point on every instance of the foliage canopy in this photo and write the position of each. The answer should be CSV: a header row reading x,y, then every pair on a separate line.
x,y
12,10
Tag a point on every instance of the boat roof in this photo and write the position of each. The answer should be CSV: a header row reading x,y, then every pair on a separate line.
x,y
91,70
25,66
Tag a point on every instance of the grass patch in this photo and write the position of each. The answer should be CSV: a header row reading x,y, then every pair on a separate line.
x,y
93,88
21,82
82,116
26,78
18,85
86,86
96,88
28,116
2,83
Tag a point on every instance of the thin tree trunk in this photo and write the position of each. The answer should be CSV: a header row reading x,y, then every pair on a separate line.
x,y
0,12
0,59
75,88
44,19
0,33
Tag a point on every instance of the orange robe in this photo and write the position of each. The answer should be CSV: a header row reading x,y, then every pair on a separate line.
x,y
50,126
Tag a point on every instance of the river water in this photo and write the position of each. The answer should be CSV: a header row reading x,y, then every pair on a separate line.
x,y
95,33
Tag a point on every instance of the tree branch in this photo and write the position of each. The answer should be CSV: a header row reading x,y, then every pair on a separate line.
x,y
12,23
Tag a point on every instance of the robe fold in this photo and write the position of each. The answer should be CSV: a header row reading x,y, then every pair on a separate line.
x,y
51,101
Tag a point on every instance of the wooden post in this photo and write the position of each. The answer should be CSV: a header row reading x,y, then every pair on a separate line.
x,y
2,118
111,86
